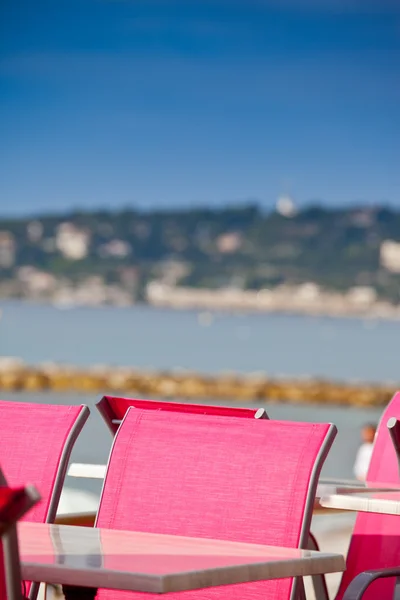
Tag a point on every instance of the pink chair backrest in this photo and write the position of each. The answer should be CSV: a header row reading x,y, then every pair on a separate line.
x,y
375,543
233,479
36,441
113,408
35,445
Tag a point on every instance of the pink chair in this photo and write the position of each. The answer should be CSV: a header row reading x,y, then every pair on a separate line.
x,y
234,479
375,543
14,503
113,409
36,441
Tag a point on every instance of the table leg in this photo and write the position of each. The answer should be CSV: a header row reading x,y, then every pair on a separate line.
x,y
72,592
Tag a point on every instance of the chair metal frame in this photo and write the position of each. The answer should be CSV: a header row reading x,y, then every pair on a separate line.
x,y
63,466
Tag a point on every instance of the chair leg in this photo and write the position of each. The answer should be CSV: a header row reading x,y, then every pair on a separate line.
x,y
12,564
300,592
318,581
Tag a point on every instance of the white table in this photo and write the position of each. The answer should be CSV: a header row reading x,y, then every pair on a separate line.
x,y
102,558
87,471
374,500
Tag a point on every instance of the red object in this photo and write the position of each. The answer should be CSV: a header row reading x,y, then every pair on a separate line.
x,y
232,479
13,504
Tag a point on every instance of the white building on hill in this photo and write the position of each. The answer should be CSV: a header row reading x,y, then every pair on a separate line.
x,y
285,206
72,242
390,256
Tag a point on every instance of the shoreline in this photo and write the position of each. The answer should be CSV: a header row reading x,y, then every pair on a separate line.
x,y
210,313
18,376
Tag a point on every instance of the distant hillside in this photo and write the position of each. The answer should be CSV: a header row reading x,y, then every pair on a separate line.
x,y
238,246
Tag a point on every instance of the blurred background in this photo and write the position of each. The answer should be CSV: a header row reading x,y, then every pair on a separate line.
x,y
208,186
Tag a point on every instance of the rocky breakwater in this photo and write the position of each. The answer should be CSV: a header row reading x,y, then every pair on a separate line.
x,y
17,376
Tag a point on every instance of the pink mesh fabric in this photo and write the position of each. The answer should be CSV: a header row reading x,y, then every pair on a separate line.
x,y
233,479
113,407
32,440
375,543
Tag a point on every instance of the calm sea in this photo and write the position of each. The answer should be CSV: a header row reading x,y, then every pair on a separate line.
x,y
160,339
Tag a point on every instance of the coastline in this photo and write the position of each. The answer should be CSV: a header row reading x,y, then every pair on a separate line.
x,y
15,375
307,299
384,312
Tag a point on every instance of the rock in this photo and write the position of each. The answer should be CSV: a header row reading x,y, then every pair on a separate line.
x,y
100,379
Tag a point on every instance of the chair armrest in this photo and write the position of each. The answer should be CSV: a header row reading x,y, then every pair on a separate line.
x,y
359,585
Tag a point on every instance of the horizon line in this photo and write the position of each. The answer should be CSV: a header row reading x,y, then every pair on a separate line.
x,y
261,205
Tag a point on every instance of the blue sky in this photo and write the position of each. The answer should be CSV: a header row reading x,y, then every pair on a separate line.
x,y
107,103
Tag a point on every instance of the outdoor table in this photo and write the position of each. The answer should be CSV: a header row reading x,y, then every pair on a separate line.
x,y
372,499
147,562
86,470
344,488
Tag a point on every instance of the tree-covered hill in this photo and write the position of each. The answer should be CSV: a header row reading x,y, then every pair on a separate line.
x,y
240,246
